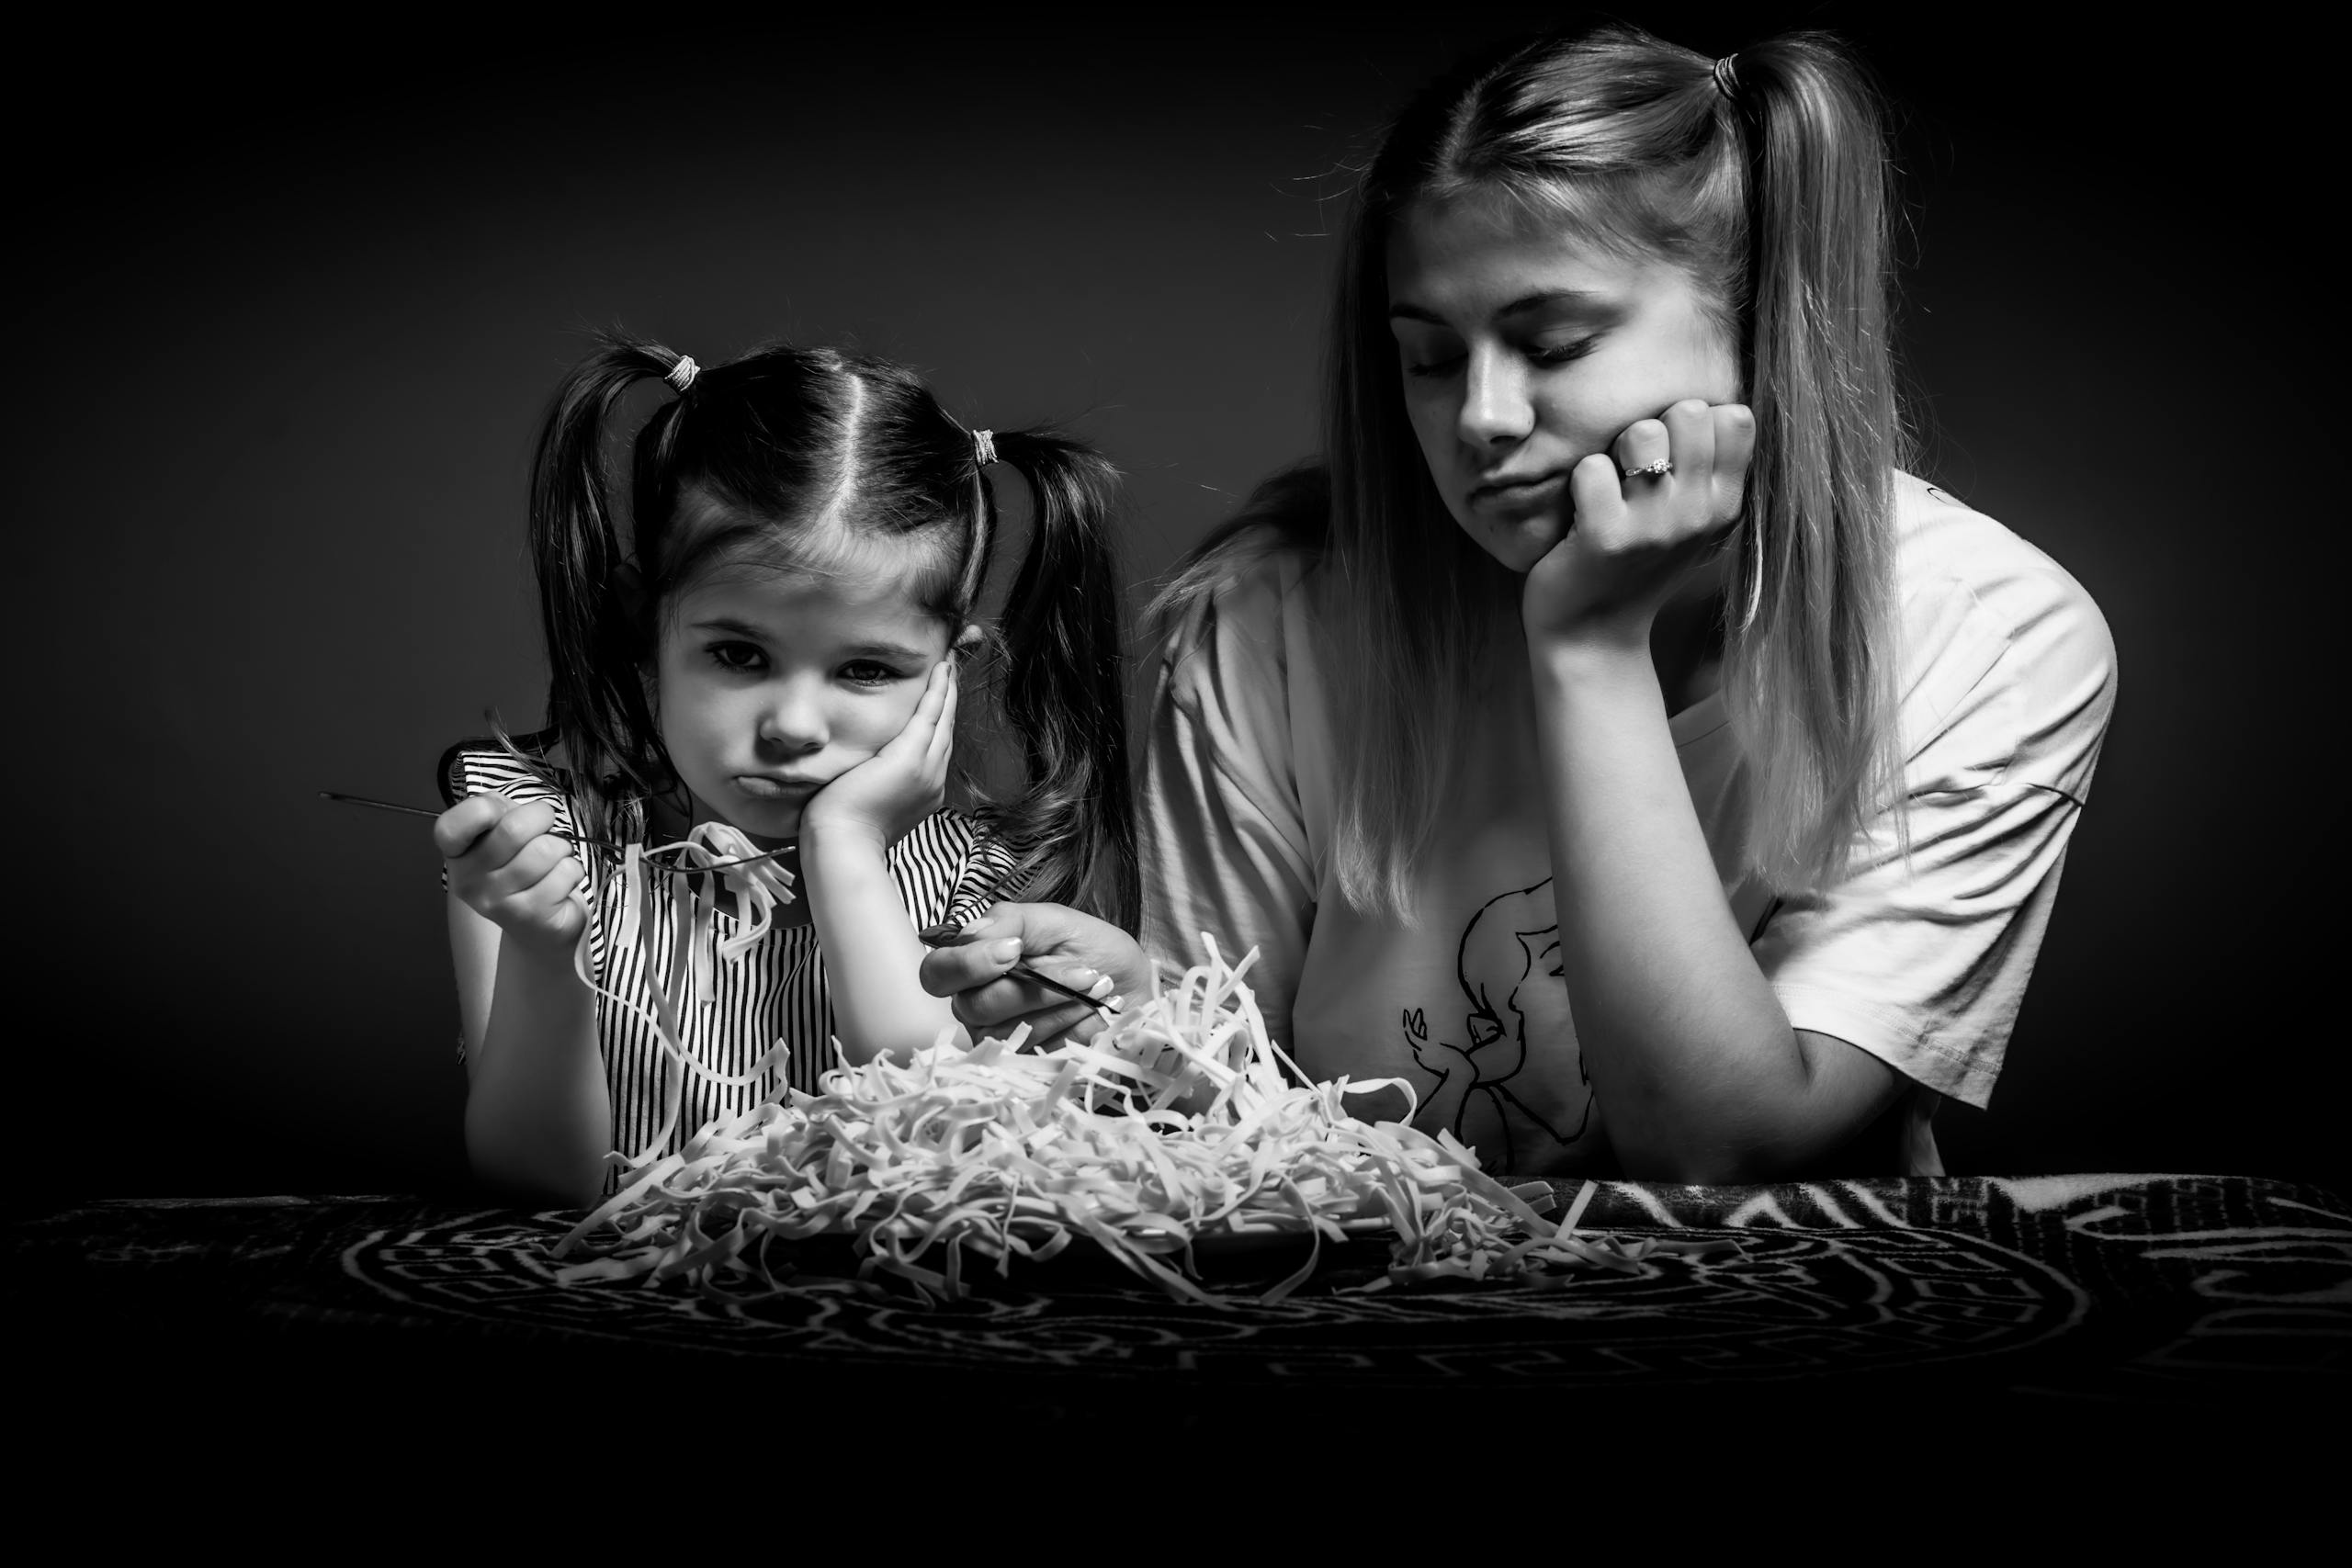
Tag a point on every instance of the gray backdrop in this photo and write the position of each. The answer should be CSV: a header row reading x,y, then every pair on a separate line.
x,y
283,339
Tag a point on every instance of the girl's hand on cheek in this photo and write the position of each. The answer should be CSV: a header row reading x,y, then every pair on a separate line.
x,y
1633,535
507,867
884,797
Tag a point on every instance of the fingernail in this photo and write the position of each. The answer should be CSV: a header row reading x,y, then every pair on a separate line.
x,y
1115,1004
1083,977
1006,950
1099,988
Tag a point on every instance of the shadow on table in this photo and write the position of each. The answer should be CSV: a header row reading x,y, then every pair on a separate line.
x,y
2111,1307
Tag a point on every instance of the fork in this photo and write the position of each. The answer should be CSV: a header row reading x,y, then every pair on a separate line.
x,y
957,936
575,838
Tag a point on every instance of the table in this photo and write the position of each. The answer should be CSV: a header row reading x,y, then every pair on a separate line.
x,y
2118,1298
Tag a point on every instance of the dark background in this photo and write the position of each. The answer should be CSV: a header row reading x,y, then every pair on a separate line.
x,y
284,317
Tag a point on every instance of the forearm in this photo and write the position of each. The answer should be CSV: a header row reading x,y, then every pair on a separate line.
x,y
1692,1059
872,955
538,1117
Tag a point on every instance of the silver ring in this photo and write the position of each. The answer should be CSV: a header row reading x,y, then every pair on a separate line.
x,y
1656,471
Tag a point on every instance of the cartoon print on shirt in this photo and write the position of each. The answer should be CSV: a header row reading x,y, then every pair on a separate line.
x,y
1509,967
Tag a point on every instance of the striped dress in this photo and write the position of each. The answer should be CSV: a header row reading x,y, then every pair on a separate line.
x,y
946,870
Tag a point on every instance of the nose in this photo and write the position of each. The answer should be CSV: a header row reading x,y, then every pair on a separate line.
x,y
1494,406
793,718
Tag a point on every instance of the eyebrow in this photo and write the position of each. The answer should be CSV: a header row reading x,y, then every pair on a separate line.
x,y
729,624
745,630
1582,299
897,651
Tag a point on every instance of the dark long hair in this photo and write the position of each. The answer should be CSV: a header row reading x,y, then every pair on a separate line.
x,y
789,458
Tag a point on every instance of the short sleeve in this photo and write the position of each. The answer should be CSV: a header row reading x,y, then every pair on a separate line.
x,y
1922,954
991,873
1222,836
472,767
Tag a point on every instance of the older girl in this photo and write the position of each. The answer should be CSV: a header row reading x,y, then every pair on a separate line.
x,y
1609,737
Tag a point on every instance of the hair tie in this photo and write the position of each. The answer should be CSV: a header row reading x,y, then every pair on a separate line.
x,y
983,448
682,374
1727,79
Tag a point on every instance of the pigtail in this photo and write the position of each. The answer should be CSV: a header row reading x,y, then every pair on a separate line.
x,y
1812,600
1063,693
594,624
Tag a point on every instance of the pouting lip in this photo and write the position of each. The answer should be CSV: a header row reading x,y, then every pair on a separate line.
x,y
769,786
1500,485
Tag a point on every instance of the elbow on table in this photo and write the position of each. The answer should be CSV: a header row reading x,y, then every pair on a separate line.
x,y
1801,1143
1755,1146
1708,1166
1720,1142
532,1177
1708,1160
1785,1125
523,1187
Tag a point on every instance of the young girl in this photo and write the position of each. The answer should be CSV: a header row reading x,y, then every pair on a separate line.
x,y
1609,737
777,649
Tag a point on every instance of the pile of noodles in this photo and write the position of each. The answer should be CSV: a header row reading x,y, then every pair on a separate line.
x,y
1175,1126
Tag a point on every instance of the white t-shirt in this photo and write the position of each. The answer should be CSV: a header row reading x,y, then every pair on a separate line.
x,y
2007,678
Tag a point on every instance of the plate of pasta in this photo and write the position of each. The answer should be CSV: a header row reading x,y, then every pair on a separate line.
x,y
1179,1132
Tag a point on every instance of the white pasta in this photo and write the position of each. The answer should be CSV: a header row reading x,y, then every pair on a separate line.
x,y
1178,1124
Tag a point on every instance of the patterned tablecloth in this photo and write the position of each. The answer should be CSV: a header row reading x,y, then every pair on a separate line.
x,y
2127,1293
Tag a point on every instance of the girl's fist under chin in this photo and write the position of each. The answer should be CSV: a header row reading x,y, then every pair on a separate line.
x,y
1636,528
